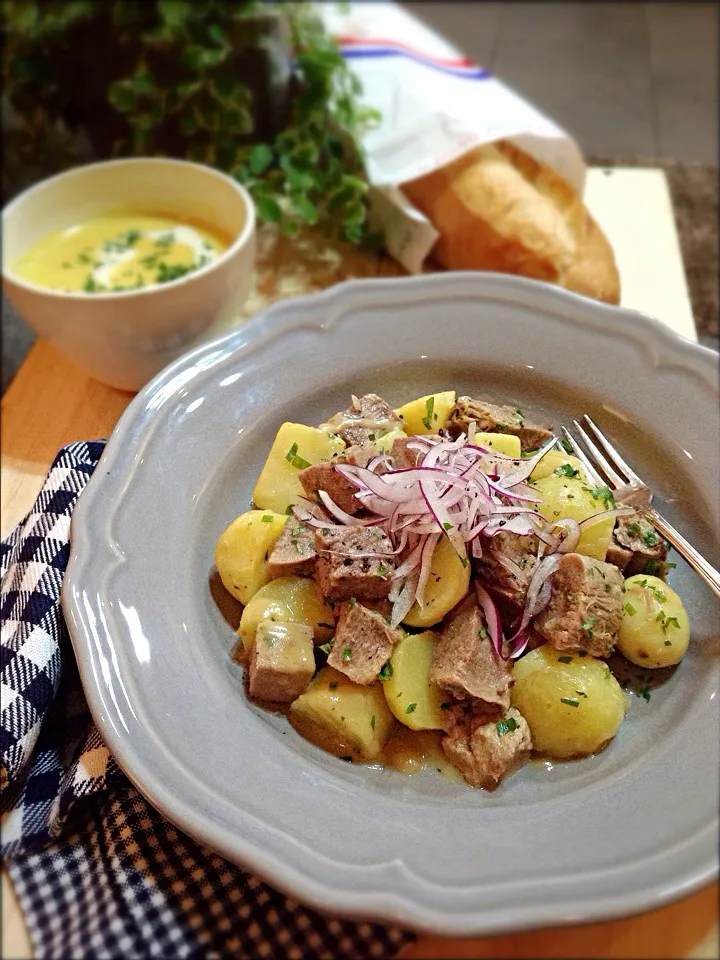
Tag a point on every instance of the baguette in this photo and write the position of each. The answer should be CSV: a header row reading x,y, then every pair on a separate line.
x,y
497,208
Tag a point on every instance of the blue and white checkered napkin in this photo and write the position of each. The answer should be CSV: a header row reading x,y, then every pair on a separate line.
x,y
98,872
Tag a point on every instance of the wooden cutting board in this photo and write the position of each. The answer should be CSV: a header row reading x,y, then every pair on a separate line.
x,y
51,402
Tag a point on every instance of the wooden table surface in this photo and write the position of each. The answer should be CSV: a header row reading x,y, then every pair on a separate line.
x,y
51,403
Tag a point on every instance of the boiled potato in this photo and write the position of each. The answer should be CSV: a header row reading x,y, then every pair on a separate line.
x,y
558,460
655,630
502,442
383,444
427,414
572,497
295,446
572,704
342,717
447,584
242,549
288,600
411,696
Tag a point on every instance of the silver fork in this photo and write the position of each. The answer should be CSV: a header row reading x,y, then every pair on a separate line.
x,y
630,489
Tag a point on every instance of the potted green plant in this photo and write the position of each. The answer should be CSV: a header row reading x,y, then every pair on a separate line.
x,y
256,89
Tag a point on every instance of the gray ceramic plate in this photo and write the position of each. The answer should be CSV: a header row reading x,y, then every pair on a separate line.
x,y
623,831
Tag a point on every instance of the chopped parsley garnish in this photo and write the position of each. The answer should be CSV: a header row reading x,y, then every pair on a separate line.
x,y
660,595
90,286
297,461
352,601
447,526
483,631
297,531
602,493
382,569
372,721
164,241
166,273
653,567
267,518
644,693
650,538
386,672
671,622
581,694
506,726
633,529
429,407
84,258
566,446
347,653
608,673
326,647
669,564
566,470
630,609
588,625
571,597
410,708
570,701
565,659
668,643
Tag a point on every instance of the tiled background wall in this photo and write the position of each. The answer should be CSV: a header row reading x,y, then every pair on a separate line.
x,y
630,78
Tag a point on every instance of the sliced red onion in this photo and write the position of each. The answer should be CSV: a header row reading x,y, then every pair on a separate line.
x,y
528,466
606,515
335,510
443,519
511,494
518,646
405,600
426,559
508,564
381,460
545,568
492,618
572,530
409,563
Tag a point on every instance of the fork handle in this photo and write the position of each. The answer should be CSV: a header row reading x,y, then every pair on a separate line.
x,y
686,550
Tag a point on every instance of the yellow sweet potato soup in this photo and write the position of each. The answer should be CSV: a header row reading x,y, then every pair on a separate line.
x,y
120,251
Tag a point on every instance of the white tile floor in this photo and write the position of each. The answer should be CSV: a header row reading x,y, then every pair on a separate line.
x,y
633,78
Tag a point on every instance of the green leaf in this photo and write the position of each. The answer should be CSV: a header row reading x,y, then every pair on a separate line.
x,y
174,13
268,209
143,82
187,125
188,88
218,35
305,208
121,95
198,58
261,156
